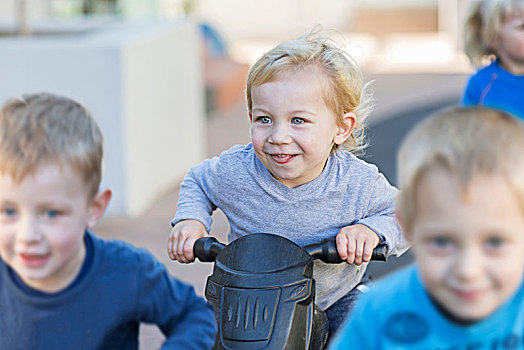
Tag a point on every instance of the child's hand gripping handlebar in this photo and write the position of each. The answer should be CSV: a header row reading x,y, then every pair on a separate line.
x,y
207,248
326,251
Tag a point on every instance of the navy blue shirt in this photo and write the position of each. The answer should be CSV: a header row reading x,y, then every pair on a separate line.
x,y
121,287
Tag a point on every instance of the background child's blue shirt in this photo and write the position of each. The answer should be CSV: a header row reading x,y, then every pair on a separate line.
x,y
397,313
123,287
495,87
349,191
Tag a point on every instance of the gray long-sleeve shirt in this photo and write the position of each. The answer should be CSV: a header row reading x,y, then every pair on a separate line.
x,y
348,191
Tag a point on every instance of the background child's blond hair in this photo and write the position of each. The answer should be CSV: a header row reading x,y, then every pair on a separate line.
x,y
483,24
465,142
344,91
37,128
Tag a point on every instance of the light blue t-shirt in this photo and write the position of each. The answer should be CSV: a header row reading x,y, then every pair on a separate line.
x,y
495,87
348,191
397,313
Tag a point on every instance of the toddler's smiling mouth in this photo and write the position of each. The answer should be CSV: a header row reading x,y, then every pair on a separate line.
x,y
282,158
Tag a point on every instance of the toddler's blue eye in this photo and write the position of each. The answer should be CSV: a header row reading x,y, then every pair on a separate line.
x,y
265,120
297,121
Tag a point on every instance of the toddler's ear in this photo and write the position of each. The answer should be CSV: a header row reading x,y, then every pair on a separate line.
x,y
98,207
343,131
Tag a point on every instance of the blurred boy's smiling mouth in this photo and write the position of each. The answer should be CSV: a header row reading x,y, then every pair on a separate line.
x,y
34,260
473,295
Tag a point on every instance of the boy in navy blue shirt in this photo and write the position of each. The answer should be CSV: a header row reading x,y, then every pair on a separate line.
x,y
61,287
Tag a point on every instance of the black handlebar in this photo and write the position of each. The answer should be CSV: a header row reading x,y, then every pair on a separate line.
x,y
326,251
206,249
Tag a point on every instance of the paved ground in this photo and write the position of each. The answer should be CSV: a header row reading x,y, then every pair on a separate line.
x,y
402,100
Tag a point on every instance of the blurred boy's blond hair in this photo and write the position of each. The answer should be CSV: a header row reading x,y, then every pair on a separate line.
x,y
465,141
42,127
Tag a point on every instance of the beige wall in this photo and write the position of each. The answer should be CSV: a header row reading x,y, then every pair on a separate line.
x,y
164,109
254,19
35,8
142,82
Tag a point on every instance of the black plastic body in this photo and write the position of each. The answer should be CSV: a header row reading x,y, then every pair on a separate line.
x,y
262,291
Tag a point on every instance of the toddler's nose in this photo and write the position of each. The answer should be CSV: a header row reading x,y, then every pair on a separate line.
x,y
279,134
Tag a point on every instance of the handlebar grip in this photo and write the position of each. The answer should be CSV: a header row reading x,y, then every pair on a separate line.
x,y
206,249
327,252
380,253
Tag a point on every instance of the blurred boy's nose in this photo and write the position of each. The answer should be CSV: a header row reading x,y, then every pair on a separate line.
x,y
279,134
28,231
468,265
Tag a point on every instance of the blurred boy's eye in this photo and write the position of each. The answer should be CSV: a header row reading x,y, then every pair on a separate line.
x,y
264,120
494,243
51,213
9,212
297,121
441,241
441,244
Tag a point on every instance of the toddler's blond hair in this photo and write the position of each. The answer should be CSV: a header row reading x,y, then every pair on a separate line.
x,y
344,90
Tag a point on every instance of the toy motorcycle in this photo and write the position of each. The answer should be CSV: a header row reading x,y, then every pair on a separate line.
x,y
262,291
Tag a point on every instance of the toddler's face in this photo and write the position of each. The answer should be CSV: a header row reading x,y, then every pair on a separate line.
x,y
292,129
42,223
510,45
469,244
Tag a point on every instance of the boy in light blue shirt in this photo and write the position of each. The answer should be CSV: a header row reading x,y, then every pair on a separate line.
x,y
461,206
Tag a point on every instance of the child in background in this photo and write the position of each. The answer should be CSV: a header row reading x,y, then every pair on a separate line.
x,y
461,206
298,177
61,287
495,31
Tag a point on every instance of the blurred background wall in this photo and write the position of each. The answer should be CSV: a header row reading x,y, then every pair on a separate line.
x,y
165,80
142,80
151,70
